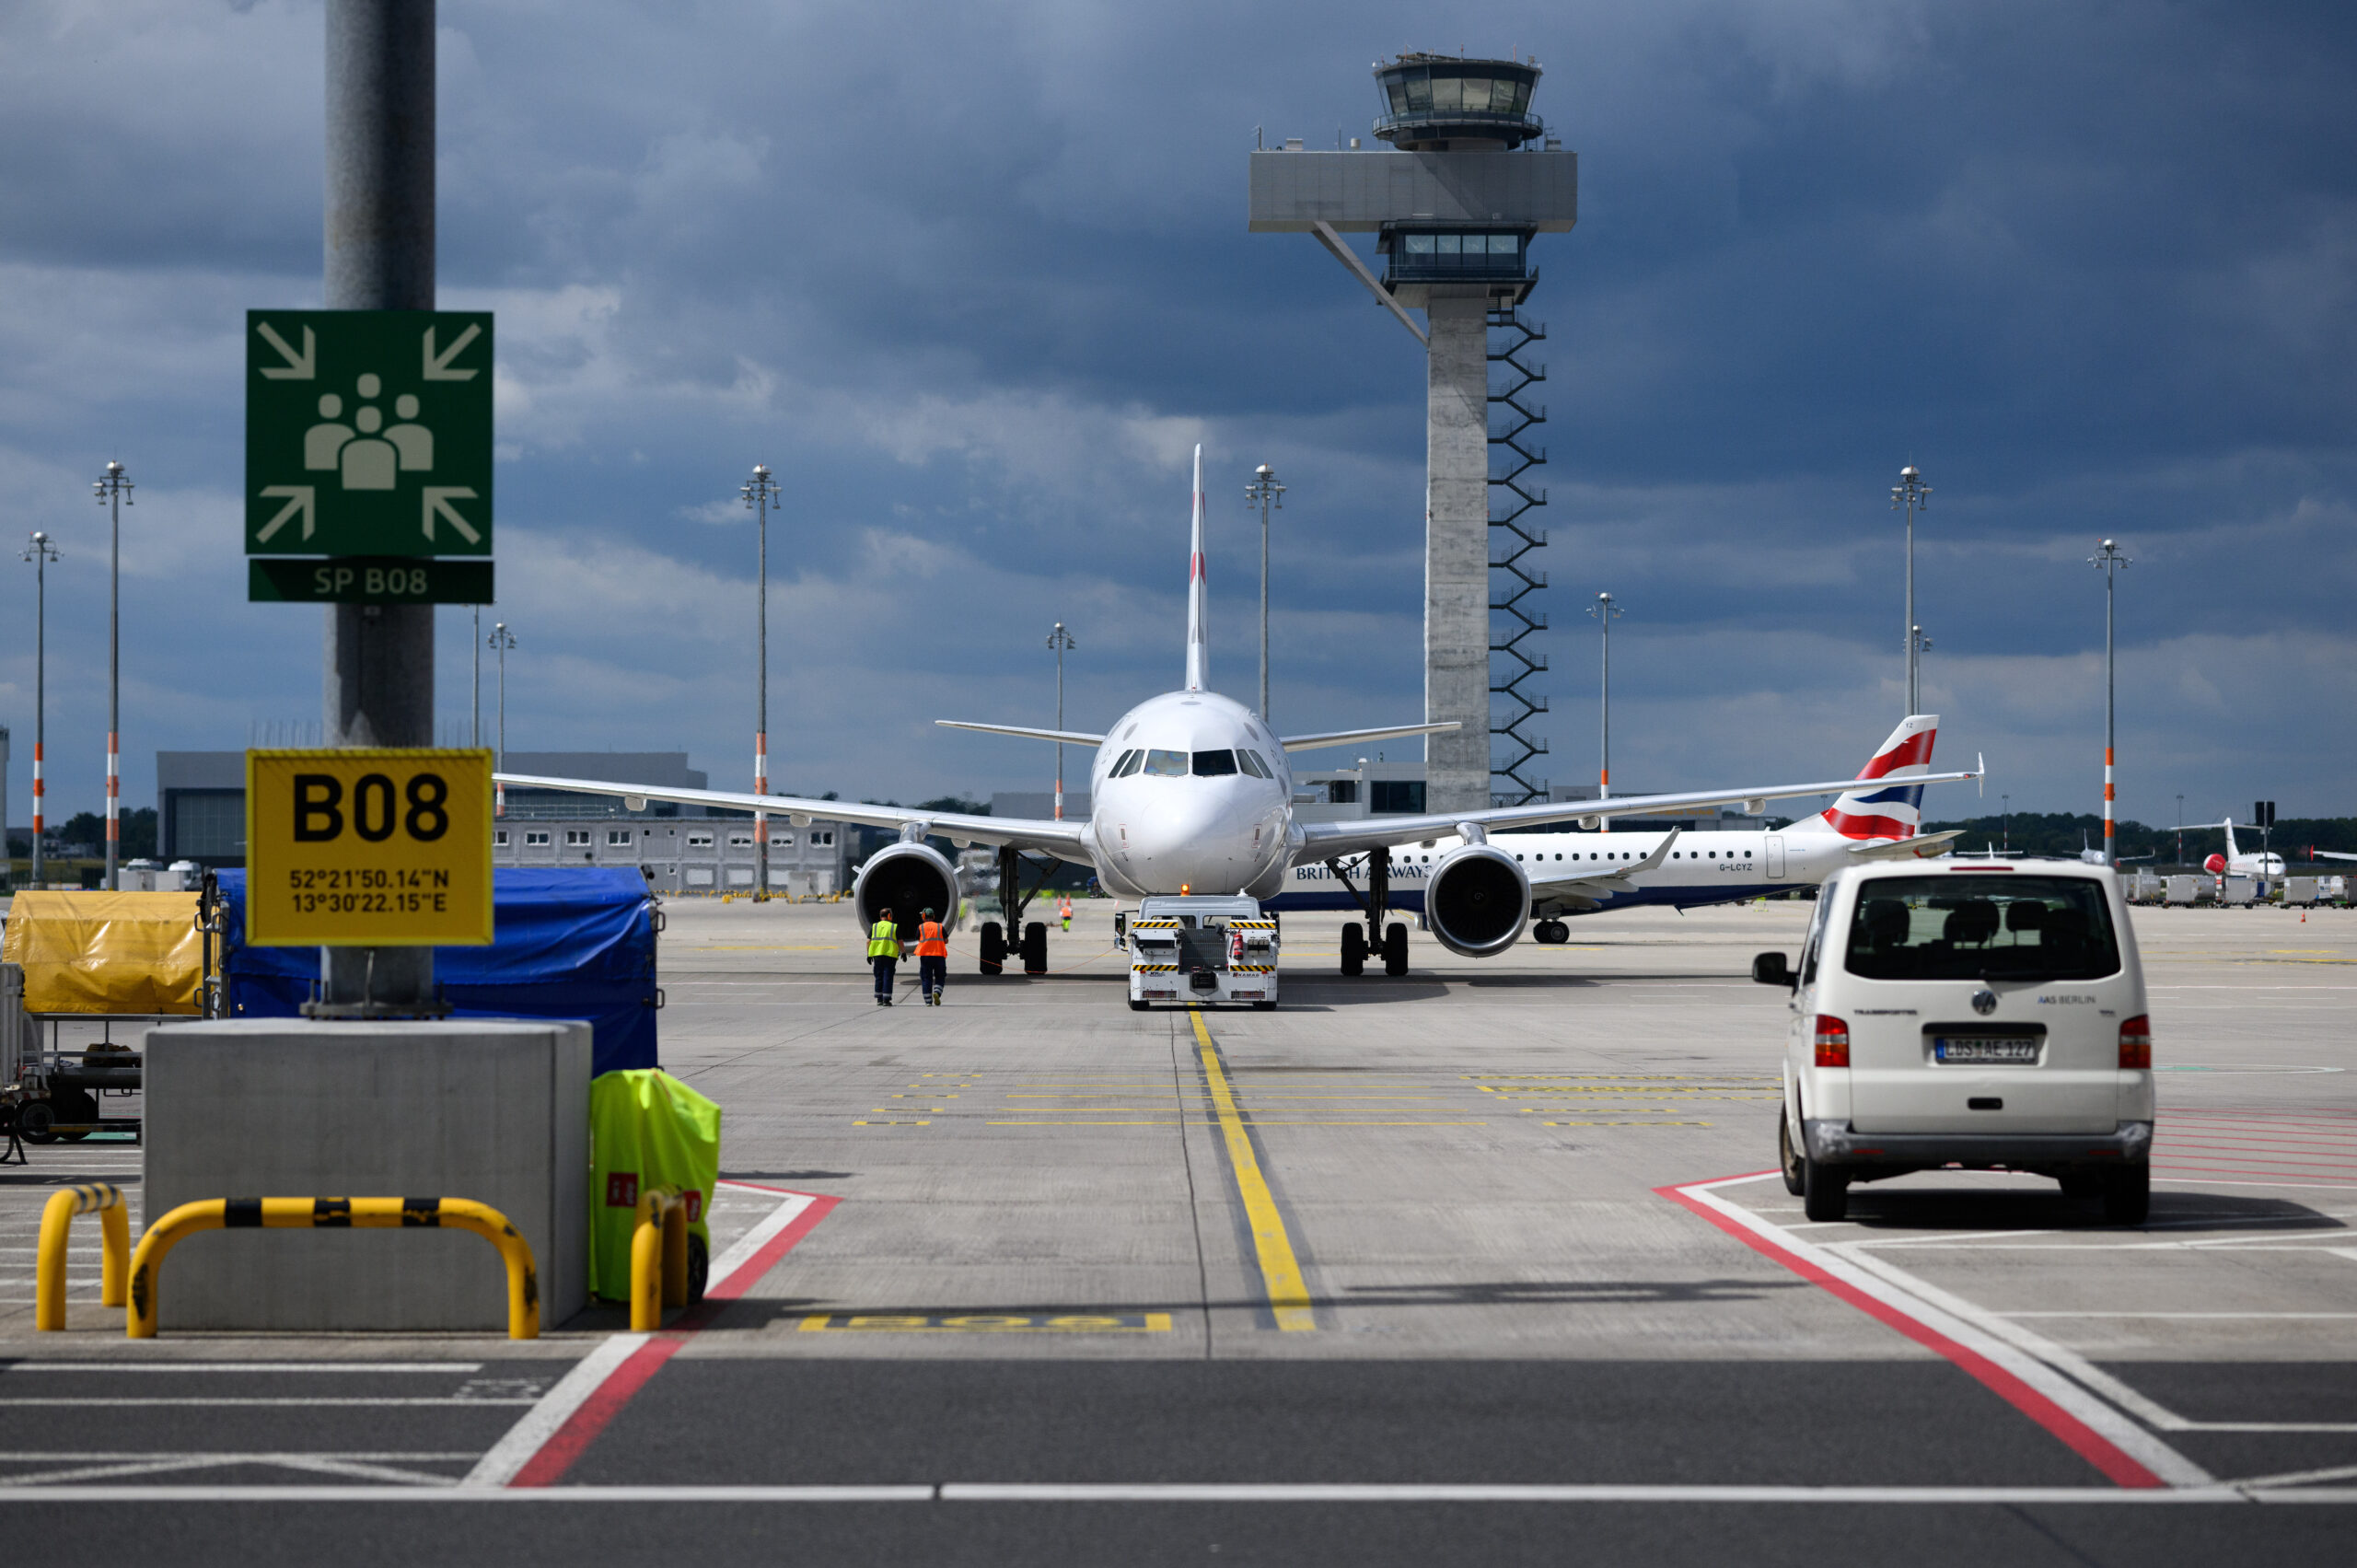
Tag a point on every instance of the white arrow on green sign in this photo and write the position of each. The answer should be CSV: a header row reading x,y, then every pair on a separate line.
x,y
368,432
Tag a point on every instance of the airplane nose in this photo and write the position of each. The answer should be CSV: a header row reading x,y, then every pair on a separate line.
x,y
1186,841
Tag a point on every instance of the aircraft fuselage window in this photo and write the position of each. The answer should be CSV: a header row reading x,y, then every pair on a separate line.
x,y
1213,765
1166,764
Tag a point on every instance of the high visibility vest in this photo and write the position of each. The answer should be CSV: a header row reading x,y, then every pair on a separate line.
x,y
884,940
1065,908
930,942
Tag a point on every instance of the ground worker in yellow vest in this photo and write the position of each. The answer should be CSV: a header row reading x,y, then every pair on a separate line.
x,y
933,959
884,952
1063,908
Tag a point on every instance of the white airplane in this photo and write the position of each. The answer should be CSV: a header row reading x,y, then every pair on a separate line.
x,y
1191,792
2235,863
1575,874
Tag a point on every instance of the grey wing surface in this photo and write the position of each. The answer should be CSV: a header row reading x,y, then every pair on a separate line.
x,y
1323,840
1023,832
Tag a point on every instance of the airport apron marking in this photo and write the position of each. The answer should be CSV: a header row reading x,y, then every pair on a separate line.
x,y
1281,1274
988,1323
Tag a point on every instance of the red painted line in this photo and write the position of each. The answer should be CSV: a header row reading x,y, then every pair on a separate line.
x,y
598,1411
2075,1434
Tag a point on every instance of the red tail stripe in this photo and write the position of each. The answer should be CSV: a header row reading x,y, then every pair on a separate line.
x,y
1915,748
1851,827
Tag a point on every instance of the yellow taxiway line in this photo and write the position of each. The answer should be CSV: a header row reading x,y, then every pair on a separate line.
x,y
1280,1270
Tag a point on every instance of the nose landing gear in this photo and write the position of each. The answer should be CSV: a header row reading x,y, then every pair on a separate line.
x,y
1375,902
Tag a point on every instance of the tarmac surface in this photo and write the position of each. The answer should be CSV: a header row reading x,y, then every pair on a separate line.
x,y
1486,1264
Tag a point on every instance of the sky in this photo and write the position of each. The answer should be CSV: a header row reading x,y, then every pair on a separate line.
x,y
974,280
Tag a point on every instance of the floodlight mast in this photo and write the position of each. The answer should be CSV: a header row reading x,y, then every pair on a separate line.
x,y
1060,640
114,493
1606,611
1911,494
1265,492
760,493
41,551
2111,562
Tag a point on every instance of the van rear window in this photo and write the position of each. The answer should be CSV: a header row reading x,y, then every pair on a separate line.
x,y
1965,927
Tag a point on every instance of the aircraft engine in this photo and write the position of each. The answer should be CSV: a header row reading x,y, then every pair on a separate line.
x,y
2216,865
1477,902
907,879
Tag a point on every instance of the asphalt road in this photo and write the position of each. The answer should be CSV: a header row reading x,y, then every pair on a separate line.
x,y
1475,1265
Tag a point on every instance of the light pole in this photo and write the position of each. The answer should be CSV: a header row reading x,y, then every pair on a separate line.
x,y
760,493
1060,640
41,553
2180,829
2111,562
502,639
114,492
475,736
1922,646
1265,492
1914,495
1603,609
2005,821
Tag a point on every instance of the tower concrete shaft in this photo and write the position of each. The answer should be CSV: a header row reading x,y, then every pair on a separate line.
x,y
1457,554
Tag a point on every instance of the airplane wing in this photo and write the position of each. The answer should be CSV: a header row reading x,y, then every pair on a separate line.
x,y
1023,832
2330,854
1323,840
1352,737
1923,846
1069,736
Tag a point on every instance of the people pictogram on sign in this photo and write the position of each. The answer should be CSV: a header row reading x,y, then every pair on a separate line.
x,y
365,459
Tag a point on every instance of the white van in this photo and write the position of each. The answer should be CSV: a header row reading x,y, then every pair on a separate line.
x,y
1986,1013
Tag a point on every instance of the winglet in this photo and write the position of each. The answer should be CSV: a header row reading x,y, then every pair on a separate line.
x,y
1198,629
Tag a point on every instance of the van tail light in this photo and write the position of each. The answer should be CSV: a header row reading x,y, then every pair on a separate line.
x,y
1833,1041
2136,1043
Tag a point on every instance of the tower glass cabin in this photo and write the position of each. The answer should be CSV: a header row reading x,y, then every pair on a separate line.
x,y
1436,103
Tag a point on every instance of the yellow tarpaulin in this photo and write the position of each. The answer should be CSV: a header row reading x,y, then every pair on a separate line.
x,y
106,952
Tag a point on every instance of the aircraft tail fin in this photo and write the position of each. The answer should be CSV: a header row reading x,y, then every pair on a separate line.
x,y
1198,610
1884,806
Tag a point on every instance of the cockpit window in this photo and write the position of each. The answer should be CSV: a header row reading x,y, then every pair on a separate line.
x,y
1127,765
1210,764
1166,764
1252,763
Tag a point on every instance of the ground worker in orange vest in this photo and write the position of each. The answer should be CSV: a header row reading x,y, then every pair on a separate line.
x,y
1063,908
933,959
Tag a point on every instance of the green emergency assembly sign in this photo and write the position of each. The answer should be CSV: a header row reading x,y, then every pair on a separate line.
x,y
368,432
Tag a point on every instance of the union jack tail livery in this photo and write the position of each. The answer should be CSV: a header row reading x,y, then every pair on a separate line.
x,y
1885,807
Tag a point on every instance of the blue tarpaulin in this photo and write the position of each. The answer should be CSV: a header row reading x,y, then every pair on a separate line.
x,y
569,944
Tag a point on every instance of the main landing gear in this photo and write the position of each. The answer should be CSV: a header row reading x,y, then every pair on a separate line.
x,y
1375,902
1553,933
1013,901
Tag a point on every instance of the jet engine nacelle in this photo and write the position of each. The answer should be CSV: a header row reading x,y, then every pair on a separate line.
x,y
907,879
2216,865
1477,902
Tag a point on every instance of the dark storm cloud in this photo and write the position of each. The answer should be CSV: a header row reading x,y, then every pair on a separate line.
x,y
975,279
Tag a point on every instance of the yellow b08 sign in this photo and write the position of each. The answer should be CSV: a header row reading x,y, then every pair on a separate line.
x,y
368,849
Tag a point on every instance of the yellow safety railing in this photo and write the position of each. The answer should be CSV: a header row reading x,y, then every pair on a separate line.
x,y
658,1257
56,1223
338,1213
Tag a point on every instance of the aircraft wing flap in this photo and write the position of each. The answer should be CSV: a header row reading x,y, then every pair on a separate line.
x,y
1321,841
1020,832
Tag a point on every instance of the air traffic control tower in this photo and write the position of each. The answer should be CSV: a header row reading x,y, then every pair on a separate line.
x,y
1469,179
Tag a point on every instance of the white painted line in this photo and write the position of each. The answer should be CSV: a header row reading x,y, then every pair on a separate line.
x,y
2236,1316
368,1366
1873,1277
527,1436
1183,1491
98,1456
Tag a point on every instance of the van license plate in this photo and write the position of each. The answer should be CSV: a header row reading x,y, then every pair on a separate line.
x,y
2023,1052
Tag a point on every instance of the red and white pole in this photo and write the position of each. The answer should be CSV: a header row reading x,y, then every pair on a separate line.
x,y
115,801
38,788
2110,857
761,819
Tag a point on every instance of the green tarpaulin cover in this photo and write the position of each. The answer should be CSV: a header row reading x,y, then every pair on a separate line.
x,y
647,1130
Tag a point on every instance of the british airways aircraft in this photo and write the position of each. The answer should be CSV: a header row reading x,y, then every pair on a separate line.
x,y
1877,817
1191,792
